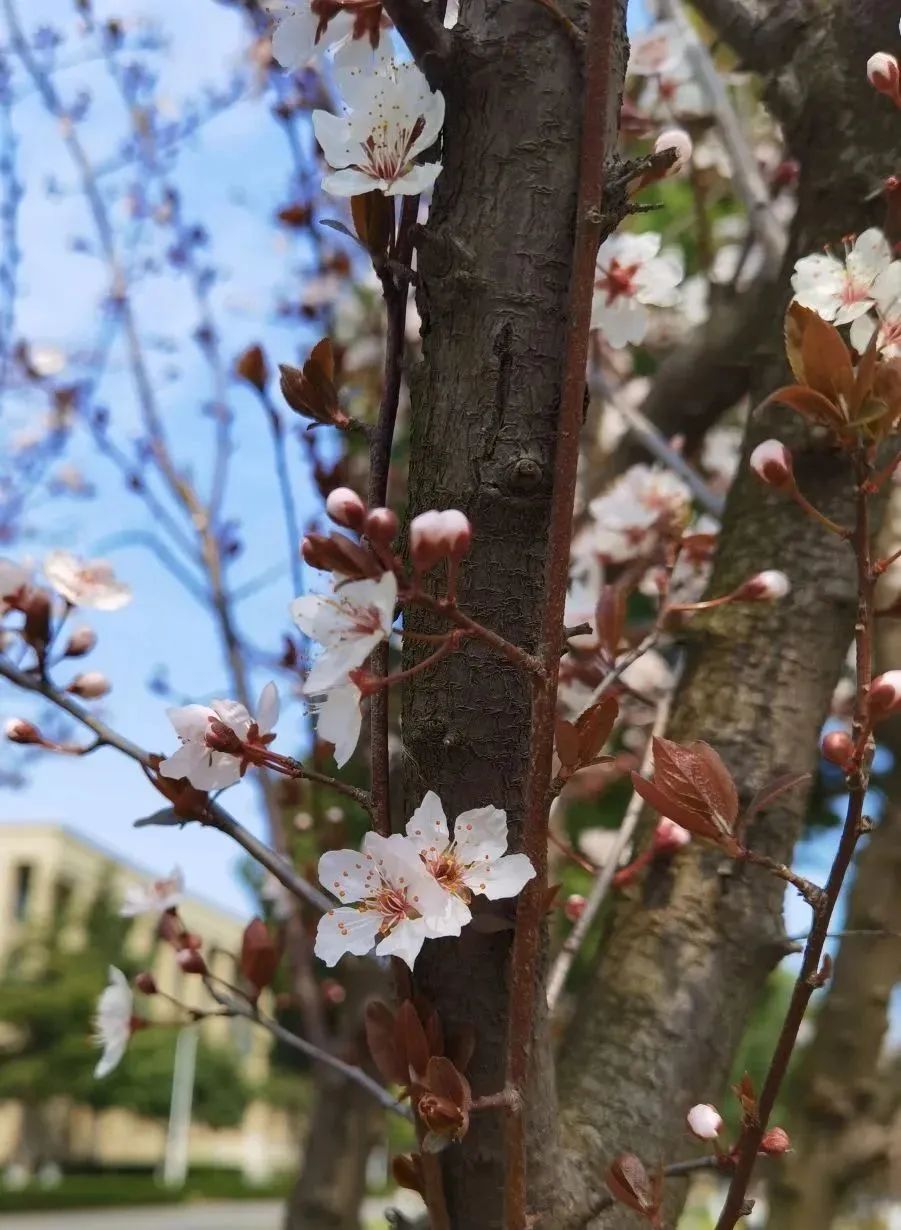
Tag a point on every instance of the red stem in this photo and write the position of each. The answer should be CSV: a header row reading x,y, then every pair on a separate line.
x,y
808,978
531,907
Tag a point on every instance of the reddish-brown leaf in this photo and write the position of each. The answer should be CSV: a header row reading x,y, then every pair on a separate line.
x,y
809,403
772,791
826,358
714,783
594,727
312,391
567,740
628,1182
407,1171
381,1036
411,1037
259,955
373,215
444,1080
610,618
747,1098
673,809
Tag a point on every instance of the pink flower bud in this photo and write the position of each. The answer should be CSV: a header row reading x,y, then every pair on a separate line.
x,y
457,533
18,730
885,694
346,508
90,685
775,1141
190,961
426,540
381,526
704,1121
81,641
146,983
678,140
574,906
885,76
772,463
669,837
333,992
764,587
837,747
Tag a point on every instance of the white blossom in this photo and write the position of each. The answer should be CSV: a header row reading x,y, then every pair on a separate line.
x,y
86,582
302,33
887,298
113,1021
657,50
388,901
704,1121
632,274
338,719
842,290
12,578
203,766
349,623
628,517
392,117
475,860
154,898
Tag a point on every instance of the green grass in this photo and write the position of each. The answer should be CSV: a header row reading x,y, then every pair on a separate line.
x,y
104,1190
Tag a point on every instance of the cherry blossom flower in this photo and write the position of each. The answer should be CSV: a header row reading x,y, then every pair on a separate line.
x,y
475,860
13,577
388,901
205,767
637,508
113,1021
154,898
305,28
657,50
349,623
887,297
393,116
90,583
841,291
338,719
632,274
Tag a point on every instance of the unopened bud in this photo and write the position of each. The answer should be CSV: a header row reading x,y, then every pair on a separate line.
x,y
252,367
764,587
146,983
38,610
775,1141
669,837
81,641
885,694
457,533
772,463
90,685
333,992
675,139
574,906
837,747
381,526
704,1121
346,508
434,535
18,730
190,961
884,75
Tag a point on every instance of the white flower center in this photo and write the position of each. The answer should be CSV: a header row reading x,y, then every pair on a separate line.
x,y
618,280
387,150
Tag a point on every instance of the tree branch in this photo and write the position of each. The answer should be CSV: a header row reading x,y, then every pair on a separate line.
x,y
422,29
763,42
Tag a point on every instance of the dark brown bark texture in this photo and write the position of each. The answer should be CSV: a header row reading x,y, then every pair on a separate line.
x,y
494,267
684,959
841,1118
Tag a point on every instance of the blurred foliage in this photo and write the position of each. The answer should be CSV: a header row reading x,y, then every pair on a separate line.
x,y
116,1188
48,994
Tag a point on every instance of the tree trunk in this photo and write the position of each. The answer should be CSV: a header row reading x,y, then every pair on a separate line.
x,y
839,1124
494,268
682,966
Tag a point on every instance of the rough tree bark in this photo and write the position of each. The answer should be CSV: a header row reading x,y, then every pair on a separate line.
x,y
840,1122
682,965
494,267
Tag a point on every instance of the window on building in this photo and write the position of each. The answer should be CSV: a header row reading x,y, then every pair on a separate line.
x,y
23,873
62,897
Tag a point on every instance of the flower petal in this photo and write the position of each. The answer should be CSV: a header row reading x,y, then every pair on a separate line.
x,y
504,877
348,875
405,940
267,708
427,827
346,931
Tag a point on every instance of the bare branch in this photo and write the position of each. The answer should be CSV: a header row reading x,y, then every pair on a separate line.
x,y
763,42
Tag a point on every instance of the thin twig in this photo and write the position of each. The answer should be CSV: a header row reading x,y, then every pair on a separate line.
x,y
524,965
811,973
675,1170
573,942
236,1007
749,183
443,606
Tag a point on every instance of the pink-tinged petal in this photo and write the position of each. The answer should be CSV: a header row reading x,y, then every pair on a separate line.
x,y
427,827
420,178
333,665
267,708
191,722
405,941
348,875
339,720
234,715
346,931
349,182
504,877
870,255
481,833
849,312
